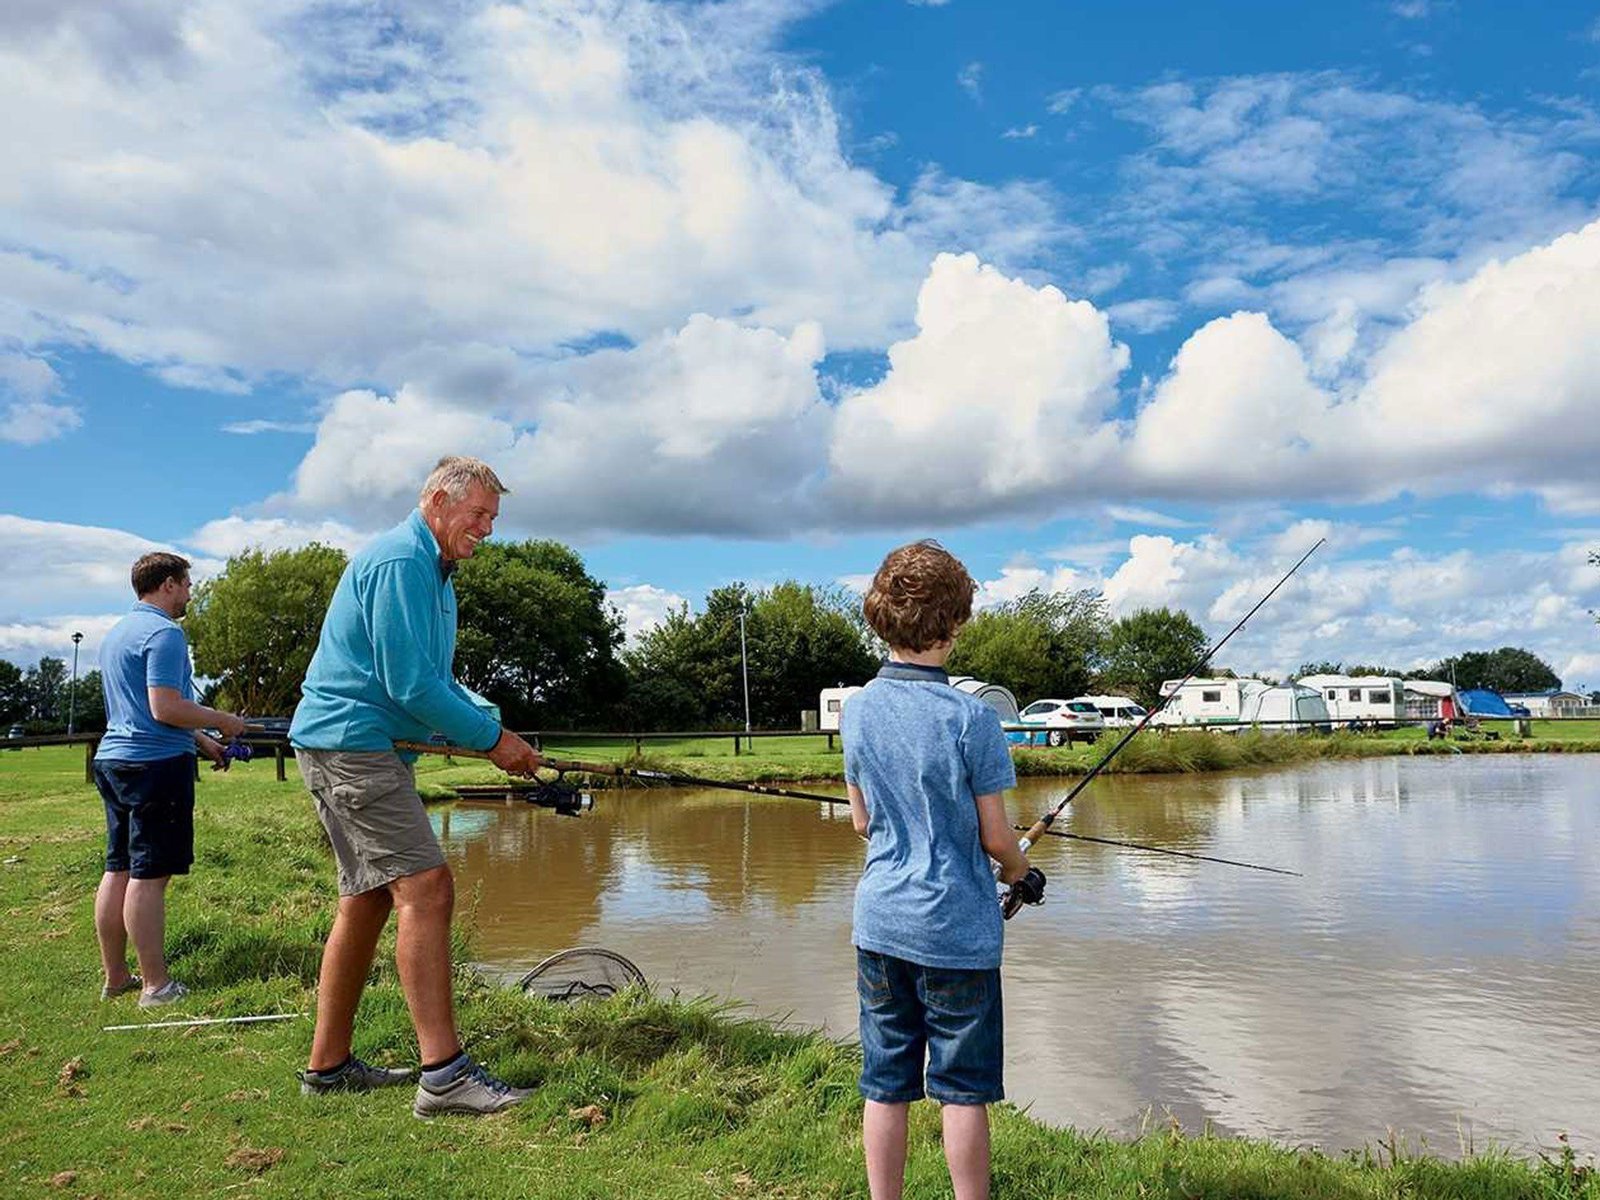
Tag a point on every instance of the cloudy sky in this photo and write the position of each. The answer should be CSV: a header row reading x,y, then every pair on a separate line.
x,y
1145,298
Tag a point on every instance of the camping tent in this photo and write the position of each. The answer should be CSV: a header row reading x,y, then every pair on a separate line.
x,y
1481,702
996,697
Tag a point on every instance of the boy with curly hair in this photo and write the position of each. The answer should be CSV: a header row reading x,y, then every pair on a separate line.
x,y
925,765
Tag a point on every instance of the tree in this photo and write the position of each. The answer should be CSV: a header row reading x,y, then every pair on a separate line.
x,y
686,671
1041,644
1508,669
13,693
537,636
44,689
1151,645
254,627
88,704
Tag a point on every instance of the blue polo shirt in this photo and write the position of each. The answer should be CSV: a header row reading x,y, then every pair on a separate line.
x,y
382,669
922,752
145,649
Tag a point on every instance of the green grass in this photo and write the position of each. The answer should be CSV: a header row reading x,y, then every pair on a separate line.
x,y
638,1097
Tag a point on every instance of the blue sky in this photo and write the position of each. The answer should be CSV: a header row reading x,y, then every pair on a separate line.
x,y
1143,299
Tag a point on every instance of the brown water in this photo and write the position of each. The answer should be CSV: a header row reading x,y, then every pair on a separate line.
x,y
1435,972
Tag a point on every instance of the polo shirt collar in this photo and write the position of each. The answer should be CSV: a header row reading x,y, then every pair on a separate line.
x,y
425,537
912,671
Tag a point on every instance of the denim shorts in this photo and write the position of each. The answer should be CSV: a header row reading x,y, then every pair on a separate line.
x,y
149,815
911,1014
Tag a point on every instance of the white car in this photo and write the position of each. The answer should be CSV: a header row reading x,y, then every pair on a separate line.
x,y
1119,712
1064,721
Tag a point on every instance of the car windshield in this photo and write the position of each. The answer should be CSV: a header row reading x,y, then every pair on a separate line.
x,y
1079,706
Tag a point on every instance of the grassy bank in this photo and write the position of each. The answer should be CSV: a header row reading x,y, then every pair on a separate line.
x,y
637,1098
1153,752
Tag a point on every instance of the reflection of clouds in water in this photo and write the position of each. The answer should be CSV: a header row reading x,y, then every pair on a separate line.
x,y
460,824
1447,905
650,895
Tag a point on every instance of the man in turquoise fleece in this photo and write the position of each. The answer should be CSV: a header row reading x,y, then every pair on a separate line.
x,y
382,674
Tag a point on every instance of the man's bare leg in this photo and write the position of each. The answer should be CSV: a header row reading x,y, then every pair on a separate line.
x,y
423,904
110,929
346,960
144,915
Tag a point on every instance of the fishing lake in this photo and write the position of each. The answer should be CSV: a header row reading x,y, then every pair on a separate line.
x,y
1433,975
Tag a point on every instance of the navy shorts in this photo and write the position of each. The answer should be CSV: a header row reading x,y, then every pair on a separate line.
x,y
911,1014
149,815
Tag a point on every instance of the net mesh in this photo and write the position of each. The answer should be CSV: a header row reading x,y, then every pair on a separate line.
x,y
583,973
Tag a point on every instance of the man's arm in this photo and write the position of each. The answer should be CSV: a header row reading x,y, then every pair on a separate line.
x,y
168,706
403,616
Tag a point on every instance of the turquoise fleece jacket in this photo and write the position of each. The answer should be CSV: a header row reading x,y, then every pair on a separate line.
x,y
382,670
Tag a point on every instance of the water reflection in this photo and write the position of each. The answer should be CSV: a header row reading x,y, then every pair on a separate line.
x,y
1433,971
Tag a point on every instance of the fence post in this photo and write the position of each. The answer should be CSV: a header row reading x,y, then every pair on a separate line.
x,y
277,753
736,745
830,743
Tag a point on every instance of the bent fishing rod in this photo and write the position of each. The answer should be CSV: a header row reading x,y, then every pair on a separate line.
x,y
1042,826
618,771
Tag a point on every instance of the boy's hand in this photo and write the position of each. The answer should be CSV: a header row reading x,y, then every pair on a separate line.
x,y
1027,890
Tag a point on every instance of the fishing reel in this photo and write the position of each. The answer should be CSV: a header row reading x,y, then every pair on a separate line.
x,y
236,751
560,794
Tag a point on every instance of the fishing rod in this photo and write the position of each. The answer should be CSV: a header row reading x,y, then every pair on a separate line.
x,y
1039,828
616,770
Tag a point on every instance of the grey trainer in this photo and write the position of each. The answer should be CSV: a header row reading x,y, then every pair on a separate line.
x,y
169,992
473,1093
354,1076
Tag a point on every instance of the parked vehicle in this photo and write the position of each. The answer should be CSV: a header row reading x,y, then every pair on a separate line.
x,y
1118,712
1063,721
830,702
1369,699
15,734
1290,708
1206,701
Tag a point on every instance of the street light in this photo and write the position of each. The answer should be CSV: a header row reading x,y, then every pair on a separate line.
x,y
744,666
72,695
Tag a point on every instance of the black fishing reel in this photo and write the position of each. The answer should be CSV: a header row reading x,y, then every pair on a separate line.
x,y
561,794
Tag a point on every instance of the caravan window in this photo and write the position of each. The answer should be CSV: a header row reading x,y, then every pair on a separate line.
x,y
1377,697
1355,694
833,706
1211,697
1333,695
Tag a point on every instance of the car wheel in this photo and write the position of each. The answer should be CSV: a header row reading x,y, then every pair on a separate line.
x,y
1059,737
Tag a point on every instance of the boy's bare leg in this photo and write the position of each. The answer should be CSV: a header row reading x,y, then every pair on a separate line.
x,y
966,1149
346,960
144,915
423,904
883,1135
110,929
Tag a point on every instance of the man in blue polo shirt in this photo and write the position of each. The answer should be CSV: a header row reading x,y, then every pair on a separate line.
x,y
144,771
381,675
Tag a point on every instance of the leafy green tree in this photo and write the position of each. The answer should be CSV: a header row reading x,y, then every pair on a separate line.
x,y
1150,645
686,672
88,704
44,689
13,693
1041,644
1325,667
254,627
537,636
1508,669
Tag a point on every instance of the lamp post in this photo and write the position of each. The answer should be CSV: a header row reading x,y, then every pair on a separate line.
x,y
72,693
744,666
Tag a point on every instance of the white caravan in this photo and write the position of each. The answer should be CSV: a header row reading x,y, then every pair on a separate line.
x,y
1206,701
1379,698
830,703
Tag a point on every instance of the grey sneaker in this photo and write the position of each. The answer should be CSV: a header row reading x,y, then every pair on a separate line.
x,y
354,1076
122,989
473,1093
169,992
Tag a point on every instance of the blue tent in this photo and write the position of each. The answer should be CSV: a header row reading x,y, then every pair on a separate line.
x,y
1481,702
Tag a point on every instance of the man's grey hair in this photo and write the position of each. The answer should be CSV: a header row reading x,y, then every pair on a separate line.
x,y
455,474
